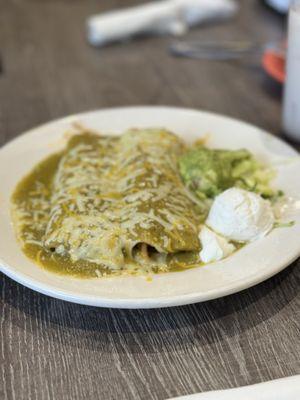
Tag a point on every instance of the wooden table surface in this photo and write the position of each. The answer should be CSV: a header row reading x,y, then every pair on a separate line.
x,y
51,349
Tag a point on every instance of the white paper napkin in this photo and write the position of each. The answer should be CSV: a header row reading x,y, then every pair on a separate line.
x,y
159,17
279,389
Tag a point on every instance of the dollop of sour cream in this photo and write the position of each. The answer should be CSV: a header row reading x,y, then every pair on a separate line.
x,y
240,215
214,246
235,215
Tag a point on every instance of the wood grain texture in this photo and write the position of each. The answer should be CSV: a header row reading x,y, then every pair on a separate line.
x,y
50,349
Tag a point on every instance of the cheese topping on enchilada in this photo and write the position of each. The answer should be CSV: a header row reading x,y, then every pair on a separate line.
x,y
109,205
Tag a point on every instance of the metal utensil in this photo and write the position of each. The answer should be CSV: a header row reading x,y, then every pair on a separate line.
x,y
221,50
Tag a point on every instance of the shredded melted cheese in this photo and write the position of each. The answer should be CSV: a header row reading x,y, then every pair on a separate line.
x,y
111,200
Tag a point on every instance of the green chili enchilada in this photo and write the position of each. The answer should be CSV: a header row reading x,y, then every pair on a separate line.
x,y
138,203
110,204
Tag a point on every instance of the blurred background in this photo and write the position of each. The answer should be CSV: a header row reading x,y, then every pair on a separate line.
x,y
49,69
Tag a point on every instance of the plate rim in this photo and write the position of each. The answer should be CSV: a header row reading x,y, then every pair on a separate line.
x,y
141,107
147,303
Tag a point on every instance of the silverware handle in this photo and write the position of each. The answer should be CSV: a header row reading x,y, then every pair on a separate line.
x,y
215,50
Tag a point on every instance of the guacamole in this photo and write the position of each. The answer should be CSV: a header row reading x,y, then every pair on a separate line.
x,y
208,172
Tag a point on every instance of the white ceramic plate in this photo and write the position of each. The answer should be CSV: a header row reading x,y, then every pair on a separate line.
x,y
249,266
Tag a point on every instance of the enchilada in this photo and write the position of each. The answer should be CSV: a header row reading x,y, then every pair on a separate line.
x,y
110,205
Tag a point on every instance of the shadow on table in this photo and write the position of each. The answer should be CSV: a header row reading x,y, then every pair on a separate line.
x,y
150,331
